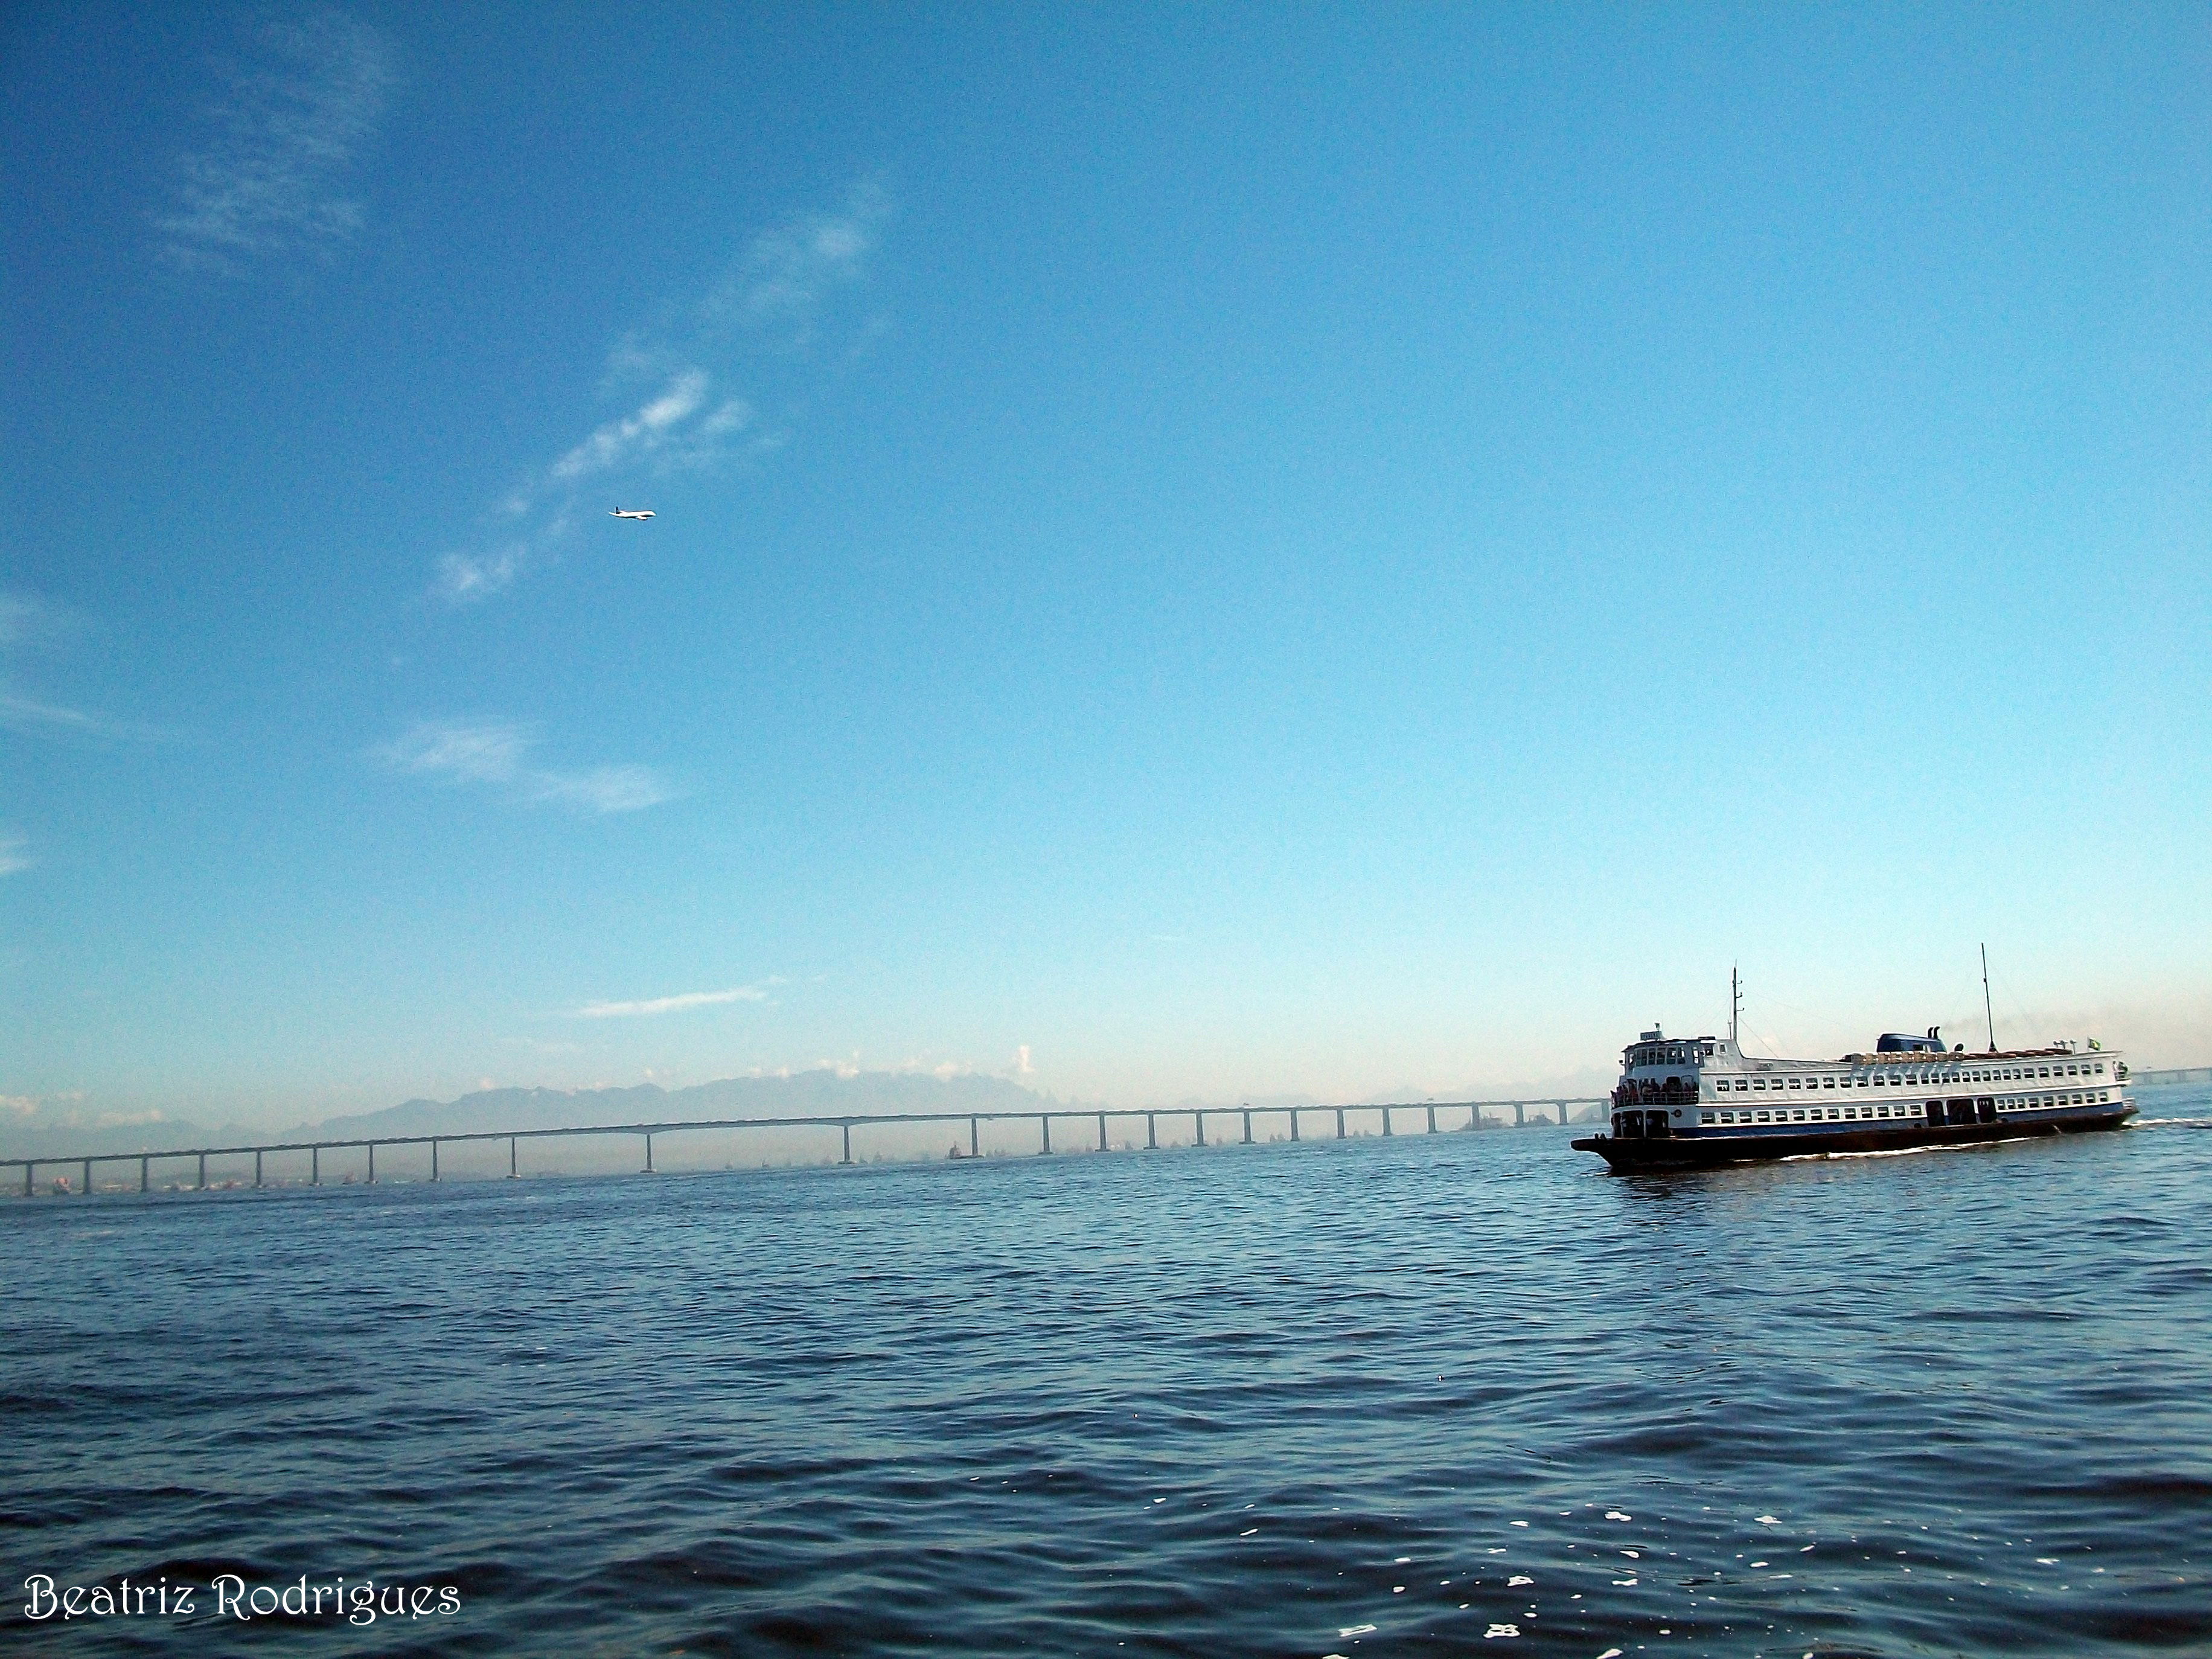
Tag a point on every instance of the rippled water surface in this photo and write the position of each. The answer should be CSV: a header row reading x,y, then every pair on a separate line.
x,y
1449,1393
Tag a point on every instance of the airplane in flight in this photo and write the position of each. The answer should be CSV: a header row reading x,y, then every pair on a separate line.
x,y
631,513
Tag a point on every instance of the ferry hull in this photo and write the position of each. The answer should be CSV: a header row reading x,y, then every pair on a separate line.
x,y
1708,1147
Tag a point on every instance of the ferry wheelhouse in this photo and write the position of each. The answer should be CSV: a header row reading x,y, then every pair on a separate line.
x,y
1703,1100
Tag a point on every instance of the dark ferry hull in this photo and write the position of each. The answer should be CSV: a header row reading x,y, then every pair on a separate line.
x,y
1707,1147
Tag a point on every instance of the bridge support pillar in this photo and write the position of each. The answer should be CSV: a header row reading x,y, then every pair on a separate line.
x,y
88,1177
1339,1123
846,1129
144,1174
1432,1119
512,1173
1044,1134
1199,1118
26,1180
1102,1132
203,1172
372,1163
1152,1132
257,1167
1386,1120
1294,1125
1248,1128
434,1160
314,1166
1520,1117
974,1140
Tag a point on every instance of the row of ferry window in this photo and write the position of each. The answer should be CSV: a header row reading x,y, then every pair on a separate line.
x,y
2005,1074
1782,1115
1846,1114
1670,1054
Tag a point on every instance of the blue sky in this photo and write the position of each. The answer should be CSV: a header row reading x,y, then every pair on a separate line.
x,y
1199,552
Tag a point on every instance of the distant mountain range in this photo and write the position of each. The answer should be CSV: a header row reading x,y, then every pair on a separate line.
x,y
804,1094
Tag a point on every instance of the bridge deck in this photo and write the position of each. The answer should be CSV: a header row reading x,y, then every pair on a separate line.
x,y
844,1124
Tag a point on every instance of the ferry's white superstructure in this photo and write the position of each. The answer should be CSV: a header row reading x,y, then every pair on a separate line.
x,y
1703,1100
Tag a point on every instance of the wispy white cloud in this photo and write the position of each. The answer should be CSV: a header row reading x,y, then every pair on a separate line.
x,y
295,109
68,1109
790,269
620,441
15,853
602,789
465,577
755,993
24,618
28,623
918,1066
497,753
24,713
28,714
695,386
732,416
484,751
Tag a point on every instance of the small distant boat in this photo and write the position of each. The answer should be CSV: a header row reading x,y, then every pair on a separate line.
x,y
1691,1101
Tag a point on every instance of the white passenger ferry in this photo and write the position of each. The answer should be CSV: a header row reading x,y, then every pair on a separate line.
x,y
1703,1100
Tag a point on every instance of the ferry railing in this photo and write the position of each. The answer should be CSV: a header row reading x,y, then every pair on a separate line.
x,y
1561,1107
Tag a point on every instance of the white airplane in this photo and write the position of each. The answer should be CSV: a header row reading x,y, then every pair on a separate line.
x,y
631,513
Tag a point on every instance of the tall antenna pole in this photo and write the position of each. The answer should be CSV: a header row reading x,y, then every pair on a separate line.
x,y
1735,1002
1986,1014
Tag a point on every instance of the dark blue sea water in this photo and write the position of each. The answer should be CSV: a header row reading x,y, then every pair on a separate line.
x,y
1464,1393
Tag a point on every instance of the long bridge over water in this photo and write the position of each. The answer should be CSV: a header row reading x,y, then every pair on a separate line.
x,y
1558,1109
